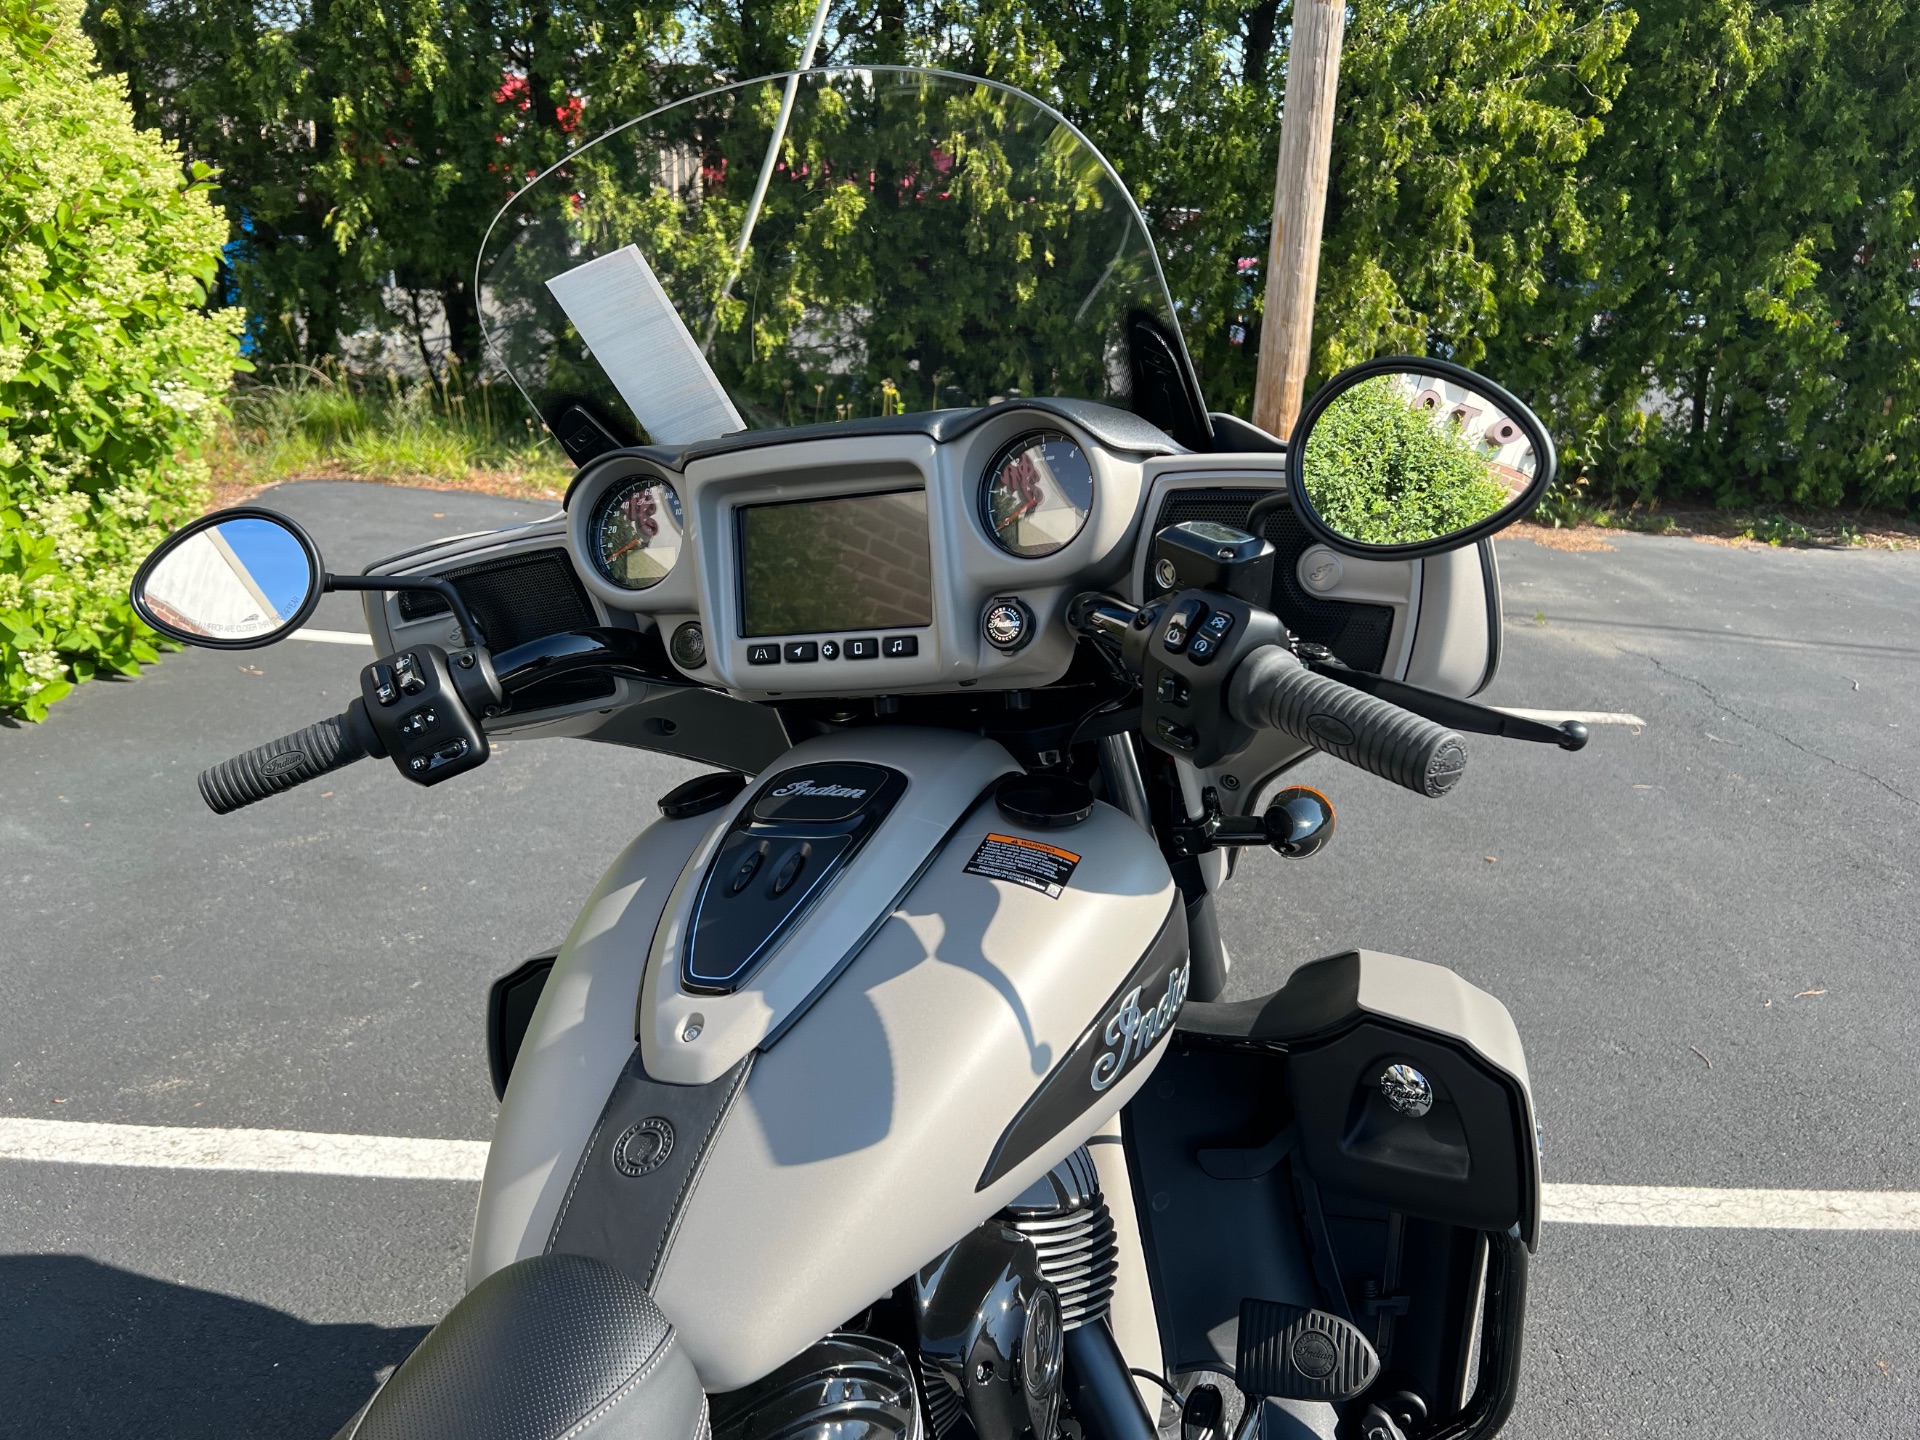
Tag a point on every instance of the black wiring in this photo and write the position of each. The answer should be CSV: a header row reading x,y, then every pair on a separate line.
x,y
1162,1381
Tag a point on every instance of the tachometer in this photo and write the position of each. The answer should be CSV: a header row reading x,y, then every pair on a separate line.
x,y
636,532
1037,494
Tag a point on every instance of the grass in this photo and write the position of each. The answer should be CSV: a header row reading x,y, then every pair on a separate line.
x,y
1568,509
306,422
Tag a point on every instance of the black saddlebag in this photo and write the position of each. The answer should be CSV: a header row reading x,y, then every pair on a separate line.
x,y
1361,1142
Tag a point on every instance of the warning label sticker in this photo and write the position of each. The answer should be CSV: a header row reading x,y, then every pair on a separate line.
x,y
1046,868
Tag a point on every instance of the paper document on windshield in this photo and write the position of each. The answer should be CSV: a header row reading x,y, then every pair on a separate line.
x,y
620,310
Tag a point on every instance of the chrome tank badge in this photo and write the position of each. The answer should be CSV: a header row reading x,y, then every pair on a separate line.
x,y
1406,1090
644,1148
1131,1032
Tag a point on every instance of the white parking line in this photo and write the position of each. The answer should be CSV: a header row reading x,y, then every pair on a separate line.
x,y
1674,1206
1585,717
170,1147
332,637
396,1157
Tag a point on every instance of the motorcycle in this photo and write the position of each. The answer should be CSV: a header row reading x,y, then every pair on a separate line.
x,y
886,1087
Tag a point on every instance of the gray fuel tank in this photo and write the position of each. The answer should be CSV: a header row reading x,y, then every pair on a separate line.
x,y
980,1028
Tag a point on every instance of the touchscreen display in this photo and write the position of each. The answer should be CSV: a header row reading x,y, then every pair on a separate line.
x,y
855,563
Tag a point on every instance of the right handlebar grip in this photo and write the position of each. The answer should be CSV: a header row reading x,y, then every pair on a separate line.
x,y
282,764
1272,689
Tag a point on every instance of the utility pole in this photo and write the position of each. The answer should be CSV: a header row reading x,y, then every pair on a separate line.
x,y
1299,207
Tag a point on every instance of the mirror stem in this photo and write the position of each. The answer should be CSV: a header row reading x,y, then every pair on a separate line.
x,y
443,588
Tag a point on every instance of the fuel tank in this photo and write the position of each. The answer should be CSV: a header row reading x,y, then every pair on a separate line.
x,y
960,1000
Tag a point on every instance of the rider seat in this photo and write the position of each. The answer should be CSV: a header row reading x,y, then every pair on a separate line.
x,y
549,1347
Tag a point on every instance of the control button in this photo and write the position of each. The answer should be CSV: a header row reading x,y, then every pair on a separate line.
x,y
1180,625
420,764
453,750
867,648
784,877
1172,690
829,650
419,720
384,690
1218,624
898,647
1007,624
406,670
743,873
800,652
688,646
1203,649
1178,736
766,654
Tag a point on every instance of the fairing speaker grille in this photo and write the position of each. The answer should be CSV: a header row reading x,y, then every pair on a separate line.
x,y
520,598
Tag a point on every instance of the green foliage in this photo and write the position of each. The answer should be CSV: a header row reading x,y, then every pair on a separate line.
x,y
1685,230
321,419
1748,330
111,372
1382,472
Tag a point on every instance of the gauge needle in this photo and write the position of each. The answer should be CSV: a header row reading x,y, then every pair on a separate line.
x,y
622,550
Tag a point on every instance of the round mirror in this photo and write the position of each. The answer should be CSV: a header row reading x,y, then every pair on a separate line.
x,y
1407,456
230,580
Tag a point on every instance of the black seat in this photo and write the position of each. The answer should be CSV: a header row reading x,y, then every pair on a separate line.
x,y
552,1346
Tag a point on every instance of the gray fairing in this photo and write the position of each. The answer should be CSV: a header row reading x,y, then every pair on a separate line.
x,y
869,1133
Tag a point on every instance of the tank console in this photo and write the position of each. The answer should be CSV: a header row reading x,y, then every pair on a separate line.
x,y
783,848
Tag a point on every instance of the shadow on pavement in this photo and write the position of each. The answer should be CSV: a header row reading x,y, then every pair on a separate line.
x,y
87,1349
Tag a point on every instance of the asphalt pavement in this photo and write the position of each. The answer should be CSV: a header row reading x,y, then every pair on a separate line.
x,y
1705,928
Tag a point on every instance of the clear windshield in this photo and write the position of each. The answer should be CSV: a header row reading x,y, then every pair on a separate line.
x,y
837,244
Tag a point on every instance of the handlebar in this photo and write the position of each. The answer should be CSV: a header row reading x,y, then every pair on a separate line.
x,y
1273,690
292,760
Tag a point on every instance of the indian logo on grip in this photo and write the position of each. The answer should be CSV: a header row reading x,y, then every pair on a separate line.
x,y
1131,1032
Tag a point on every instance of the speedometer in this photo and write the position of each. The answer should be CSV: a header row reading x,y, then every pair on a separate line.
x,y
636,533
1037,494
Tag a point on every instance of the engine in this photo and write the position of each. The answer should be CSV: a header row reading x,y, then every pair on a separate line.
x,y
988,1322
993,1312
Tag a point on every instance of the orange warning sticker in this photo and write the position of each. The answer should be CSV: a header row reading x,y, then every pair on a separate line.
x,y
1046,868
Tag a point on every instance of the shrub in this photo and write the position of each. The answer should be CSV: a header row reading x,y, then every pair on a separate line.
x,y
111,369
1382,472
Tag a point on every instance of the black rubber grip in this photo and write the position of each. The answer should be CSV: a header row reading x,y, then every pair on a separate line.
x,y
1274,691
281,764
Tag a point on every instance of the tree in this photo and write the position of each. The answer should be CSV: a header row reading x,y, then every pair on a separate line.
x,y
1750,331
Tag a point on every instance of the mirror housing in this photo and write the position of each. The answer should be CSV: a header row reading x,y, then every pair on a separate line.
x,y
233,580
1402,457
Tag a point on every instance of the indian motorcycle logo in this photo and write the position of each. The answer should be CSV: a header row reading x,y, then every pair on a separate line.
x,y
807,787
1131,1032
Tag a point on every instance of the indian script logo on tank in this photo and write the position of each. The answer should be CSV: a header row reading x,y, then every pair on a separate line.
x,y
807,787
1131,1032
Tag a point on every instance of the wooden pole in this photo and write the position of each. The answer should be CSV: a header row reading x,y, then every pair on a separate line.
x,y
1299,207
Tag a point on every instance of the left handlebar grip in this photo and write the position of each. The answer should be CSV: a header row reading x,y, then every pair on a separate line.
x,y
289,761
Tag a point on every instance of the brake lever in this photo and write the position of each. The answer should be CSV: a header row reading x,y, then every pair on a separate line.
x,y
1446,710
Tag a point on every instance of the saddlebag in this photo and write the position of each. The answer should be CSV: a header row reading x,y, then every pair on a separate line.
x,y
1359,1142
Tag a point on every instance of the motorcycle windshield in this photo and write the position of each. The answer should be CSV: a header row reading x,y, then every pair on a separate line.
x,y
833,244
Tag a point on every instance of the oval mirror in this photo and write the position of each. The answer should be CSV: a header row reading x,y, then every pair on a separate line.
x,y
1404,456
230,580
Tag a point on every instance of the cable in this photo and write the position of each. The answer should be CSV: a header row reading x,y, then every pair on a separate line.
x,y
1160,1380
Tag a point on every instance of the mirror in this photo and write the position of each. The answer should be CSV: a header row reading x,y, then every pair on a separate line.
x,y
230,580
1407,456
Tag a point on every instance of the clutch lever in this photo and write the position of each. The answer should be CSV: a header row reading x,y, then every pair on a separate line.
x,y
1444,709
